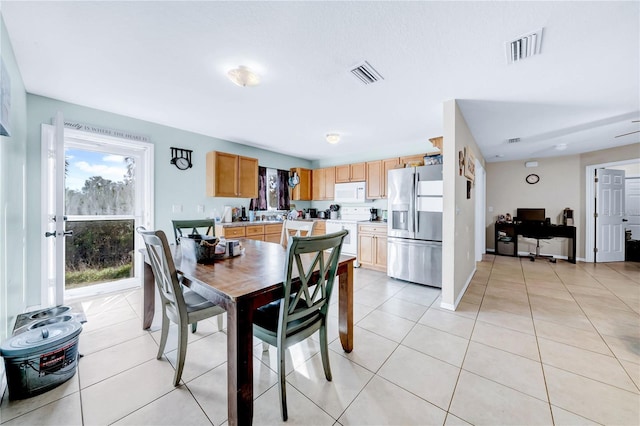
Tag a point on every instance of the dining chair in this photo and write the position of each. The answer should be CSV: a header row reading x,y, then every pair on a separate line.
x,y
302,311
179,304
296,228
193,225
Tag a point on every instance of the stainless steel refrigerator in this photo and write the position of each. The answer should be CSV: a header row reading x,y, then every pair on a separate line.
x,y
414,244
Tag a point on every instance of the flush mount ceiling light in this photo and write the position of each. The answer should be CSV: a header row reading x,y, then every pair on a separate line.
x,y
561,147
242,76
333,138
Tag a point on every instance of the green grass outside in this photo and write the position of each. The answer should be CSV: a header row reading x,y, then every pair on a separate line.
x,y
76,279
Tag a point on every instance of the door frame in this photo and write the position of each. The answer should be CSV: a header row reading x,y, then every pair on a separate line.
x,y
589,240
144,210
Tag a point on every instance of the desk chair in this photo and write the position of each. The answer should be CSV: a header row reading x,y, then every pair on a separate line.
x,y
179,304
296,228
179,225
538,231
300,314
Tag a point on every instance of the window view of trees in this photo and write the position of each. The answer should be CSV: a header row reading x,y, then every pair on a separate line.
x,y
103,249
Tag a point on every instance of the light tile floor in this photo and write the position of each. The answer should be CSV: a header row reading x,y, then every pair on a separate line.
x,y
531,343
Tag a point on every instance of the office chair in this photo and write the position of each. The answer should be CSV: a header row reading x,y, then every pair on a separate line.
x,y
537,231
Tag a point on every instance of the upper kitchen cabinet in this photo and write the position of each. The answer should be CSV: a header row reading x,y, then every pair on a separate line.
x,y
323,183
409,160
377,177
302,191
231,175
351,173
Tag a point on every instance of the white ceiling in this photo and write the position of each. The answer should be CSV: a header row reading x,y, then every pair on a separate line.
x,y
166,62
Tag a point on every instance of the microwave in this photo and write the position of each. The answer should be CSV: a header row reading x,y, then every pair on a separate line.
x,y
352,192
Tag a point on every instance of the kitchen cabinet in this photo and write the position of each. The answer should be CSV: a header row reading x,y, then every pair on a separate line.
x,y
253,230
372,246
351,173
412,159
320,228
377,177
231,175
302,191
324,181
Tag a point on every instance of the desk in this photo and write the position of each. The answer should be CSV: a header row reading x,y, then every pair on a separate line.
x,y
240,285
512,230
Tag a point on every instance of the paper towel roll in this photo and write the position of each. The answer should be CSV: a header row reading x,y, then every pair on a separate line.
x,y
227,216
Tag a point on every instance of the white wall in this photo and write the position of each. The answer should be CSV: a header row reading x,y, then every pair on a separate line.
x,y
558,188
458,247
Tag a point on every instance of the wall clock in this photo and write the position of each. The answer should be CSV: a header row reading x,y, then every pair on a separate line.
x,y
532,179
181,158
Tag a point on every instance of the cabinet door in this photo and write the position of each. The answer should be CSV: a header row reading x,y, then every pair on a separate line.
x,y
374,179
366,249
247,177
358,172
302,191
412,159
343,173
329,183
317,183
381,252
388,164
222,172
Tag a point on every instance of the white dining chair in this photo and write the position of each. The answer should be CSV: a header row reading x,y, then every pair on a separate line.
x,y
296,228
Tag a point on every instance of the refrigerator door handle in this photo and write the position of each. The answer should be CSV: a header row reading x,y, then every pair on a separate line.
x,y
416,184
412,205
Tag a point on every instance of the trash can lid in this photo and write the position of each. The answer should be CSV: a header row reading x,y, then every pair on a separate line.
x,y
40,340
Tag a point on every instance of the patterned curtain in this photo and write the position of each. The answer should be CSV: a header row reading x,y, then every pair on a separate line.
x,y
260,203
283,189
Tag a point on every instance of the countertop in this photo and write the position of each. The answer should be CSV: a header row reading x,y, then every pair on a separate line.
x,y
261,222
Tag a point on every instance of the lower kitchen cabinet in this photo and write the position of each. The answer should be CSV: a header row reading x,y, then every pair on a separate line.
x,y
320,228
265,232
272,233
372,246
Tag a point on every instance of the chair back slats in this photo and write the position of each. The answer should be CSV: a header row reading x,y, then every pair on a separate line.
x,y
316,276
164,270
302,229
193,225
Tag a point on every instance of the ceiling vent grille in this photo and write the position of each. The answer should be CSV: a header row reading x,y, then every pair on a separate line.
x,y
524,46
366,73
513,140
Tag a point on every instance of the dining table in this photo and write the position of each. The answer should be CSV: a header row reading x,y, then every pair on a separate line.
x,y
241,284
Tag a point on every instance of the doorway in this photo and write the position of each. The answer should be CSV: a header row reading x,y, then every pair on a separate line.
x,y
591,206
106,192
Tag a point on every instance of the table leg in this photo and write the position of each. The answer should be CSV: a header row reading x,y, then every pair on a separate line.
x,y
148,296
345,307
240,363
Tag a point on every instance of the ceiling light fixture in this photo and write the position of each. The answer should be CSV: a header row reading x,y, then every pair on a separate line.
x,y
561,147
242,76
333,138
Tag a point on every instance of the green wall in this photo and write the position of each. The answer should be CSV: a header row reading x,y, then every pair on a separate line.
x,y
13,177
172,186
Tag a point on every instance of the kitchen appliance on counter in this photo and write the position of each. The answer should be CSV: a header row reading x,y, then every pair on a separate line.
x,y
414,244
333,211
350,217
374,214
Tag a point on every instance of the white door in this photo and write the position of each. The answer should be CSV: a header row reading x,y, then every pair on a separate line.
x,y
53,221
610,214
96,189
632,206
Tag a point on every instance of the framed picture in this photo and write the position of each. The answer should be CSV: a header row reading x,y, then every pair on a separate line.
x,y
5,100
469,164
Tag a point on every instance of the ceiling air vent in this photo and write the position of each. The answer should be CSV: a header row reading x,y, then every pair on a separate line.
x,y
513,140
366,73
524,46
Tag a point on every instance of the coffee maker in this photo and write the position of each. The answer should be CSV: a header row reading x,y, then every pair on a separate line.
x,y
374,214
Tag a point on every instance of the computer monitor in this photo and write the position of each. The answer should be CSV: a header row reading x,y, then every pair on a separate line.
x,y
531,215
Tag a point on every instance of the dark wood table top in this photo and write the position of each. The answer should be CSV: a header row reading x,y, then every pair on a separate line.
x,y
259,270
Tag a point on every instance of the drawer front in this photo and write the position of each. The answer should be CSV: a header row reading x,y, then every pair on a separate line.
x,y
373,229
255,237
254,230
237,231
273,229
272,238
320,228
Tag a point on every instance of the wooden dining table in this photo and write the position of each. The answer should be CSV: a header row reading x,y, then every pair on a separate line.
x,y
240,285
